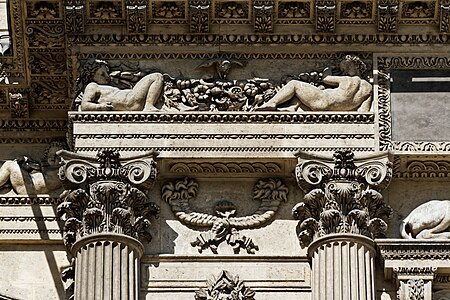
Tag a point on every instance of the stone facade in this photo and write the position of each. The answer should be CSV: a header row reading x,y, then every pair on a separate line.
x,y
214,149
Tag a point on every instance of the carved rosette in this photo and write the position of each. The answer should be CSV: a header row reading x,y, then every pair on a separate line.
x,y
387,15
342,196
325,15
106,195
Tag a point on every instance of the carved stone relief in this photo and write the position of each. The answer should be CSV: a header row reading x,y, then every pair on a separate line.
x,y
295,12
264,16
225,224
344,198
325,15
25,176
387,15
226,287
315,91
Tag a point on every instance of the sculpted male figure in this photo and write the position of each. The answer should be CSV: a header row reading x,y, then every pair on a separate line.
x,y
26,177
100,95
347,92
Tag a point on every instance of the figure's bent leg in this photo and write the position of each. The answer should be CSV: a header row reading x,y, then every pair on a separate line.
x,y
154,92
284,94
146,92
11,171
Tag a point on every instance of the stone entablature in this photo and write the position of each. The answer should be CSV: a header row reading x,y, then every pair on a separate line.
x,y
238,135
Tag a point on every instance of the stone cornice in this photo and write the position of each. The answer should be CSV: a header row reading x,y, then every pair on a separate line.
x,y
400,249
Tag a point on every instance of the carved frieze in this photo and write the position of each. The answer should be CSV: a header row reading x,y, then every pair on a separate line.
x,y
44,10
225,225
169,12
105,12
356,12
49,92
295,12
106,195
45,36
418,12
224,168
225,286
231,12
342,197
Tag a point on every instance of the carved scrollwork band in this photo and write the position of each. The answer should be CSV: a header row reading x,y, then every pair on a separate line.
x,y
342,196
223,168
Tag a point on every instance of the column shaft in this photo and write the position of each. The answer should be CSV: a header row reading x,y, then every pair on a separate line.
x,y
107,267
343,267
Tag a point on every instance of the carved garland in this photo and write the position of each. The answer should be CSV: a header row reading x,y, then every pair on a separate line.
x,y
225,225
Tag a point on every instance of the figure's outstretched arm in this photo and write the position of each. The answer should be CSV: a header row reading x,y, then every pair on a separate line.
x,y
333,80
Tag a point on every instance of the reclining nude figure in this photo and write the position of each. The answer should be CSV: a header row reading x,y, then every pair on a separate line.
x,y
430,220
99,94
348,92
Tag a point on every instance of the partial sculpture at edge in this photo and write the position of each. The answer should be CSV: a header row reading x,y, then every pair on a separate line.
x,y
346,92
25,176
430,220
99,94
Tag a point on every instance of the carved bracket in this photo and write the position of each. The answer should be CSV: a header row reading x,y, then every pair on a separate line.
x,y
199,18
137,16
106,194
264,16
387,15
224,225
325,15
75,16
342,196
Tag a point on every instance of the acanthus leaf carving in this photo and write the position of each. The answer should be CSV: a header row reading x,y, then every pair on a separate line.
x,y
444,16
224,225
75,12
342,196
136,16
199,16
325,15
387,15
106,195
264,16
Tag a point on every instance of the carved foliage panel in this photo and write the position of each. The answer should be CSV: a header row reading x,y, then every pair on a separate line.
x,y
356,12
294,11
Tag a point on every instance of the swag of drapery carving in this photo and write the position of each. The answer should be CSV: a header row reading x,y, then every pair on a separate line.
x,y
106,194
342,196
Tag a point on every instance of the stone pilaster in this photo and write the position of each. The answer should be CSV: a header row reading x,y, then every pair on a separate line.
x,y
341,213
107,215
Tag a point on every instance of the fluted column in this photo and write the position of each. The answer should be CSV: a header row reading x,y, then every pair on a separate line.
x,y
341,213
107,267
107,216
343,267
